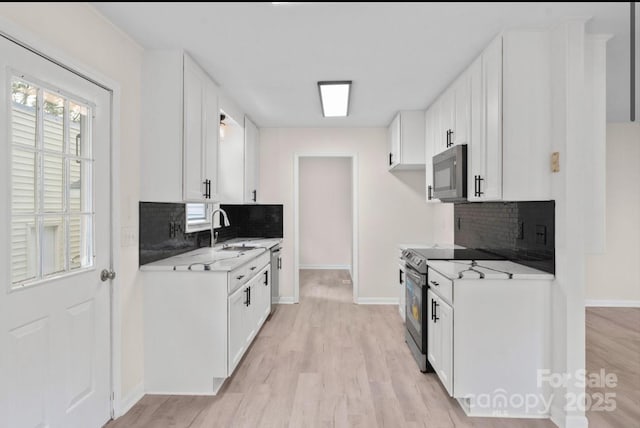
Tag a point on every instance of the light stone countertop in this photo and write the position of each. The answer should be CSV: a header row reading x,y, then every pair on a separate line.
x,y
492,269
215,259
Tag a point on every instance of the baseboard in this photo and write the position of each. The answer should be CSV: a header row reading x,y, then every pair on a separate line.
x,y
131,399
183,393
612,303
327,267
378,300
286,300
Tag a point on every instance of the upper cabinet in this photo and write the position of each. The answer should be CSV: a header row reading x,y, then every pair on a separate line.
x,y
237,157
251,157
431,147
500,107
510,144
179,130
406,140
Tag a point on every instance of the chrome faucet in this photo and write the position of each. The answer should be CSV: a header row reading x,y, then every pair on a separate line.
x,y
224,222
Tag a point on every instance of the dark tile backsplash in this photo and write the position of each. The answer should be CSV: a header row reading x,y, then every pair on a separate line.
x,y
252,221
162,228
520,231
162,232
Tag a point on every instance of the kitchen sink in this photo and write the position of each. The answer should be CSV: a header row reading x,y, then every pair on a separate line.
x,y
237,248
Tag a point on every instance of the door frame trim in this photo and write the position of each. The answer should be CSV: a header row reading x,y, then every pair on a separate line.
x,y
354,221
28,40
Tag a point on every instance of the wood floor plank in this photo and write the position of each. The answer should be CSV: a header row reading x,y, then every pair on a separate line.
x,y
327,362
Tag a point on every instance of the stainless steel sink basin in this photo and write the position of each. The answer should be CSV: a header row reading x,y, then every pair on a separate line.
x,y
237,248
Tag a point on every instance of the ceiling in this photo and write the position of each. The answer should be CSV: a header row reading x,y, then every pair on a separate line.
x,y
269,57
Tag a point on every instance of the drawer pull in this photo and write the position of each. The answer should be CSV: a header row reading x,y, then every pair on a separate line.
x,y
239,277
437,284
252,268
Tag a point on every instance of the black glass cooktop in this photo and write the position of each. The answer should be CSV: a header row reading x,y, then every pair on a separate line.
x,y
457,254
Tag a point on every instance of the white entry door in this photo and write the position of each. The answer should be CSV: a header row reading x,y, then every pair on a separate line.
x,y
55,364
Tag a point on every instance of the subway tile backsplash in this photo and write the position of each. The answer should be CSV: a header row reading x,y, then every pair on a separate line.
x,y
523,232
162,228
252,221
162,232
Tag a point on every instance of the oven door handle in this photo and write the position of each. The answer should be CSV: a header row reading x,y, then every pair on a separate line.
x,y
416,277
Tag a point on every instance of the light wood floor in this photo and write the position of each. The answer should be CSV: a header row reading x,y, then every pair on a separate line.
x,y
329,363
613,343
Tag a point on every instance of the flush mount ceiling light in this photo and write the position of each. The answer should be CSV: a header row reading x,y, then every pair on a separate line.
x,y
334,97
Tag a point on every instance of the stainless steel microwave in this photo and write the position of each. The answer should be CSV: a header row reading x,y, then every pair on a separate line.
x,y
450,174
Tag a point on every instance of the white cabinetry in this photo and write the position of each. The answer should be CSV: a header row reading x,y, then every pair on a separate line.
x,y
440,339
501,107
431,128
237,326
511,121
447,123
248,308
251,161
406,140
198,325
485,151
238,159
179,130
462,110
498,341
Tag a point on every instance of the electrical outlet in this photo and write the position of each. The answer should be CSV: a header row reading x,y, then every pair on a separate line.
x,y
541,234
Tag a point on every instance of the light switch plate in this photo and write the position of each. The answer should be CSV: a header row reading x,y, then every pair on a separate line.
x,y
555,162
128,237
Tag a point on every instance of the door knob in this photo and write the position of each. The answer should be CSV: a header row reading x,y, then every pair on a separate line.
x,y
107,274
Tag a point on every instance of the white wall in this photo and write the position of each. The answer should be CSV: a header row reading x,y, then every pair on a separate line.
x,y
325,212
81,33
614,277
391,205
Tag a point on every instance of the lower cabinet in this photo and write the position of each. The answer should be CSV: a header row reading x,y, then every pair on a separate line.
x,y
237,326
248,308
496,346
198,325
440,339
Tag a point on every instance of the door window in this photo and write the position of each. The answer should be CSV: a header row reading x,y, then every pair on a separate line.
x,y
51,183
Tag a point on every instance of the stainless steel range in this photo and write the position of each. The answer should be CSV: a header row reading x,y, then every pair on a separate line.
x,y
416,293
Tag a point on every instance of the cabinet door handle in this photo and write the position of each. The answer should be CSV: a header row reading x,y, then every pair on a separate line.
x,y
478,185
390,159
429,192
432,308
239,277
246,293
207,189
255,196
437,284
435,311
279,263
266,277
249,288
401,280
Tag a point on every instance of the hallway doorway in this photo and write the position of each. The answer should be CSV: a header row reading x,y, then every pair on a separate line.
x,y
325,220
